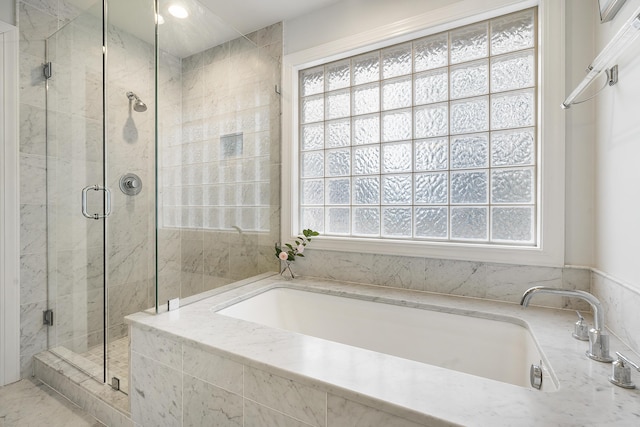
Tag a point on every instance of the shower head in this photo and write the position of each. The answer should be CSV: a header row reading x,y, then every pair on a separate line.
x,y
138,105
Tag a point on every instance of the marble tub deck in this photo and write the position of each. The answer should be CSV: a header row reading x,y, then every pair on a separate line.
x,y
416,392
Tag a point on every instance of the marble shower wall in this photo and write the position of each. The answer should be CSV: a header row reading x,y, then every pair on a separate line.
x,y
74,160
221,201
36,20
130,149
60,157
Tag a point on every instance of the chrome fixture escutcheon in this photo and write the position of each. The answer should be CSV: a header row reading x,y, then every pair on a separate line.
x,y
621,372
581,329
130,184
535,376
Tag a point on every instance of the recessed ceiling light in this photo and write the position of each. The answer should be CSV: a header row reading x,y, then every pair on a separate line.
x,y
178,11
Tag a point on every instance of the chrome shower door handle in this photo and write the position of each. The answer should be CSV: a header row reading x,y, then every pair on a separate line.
x,y
107,202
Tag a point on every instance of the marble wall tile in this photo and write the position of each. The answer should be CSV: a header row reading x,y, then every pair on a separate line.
x,y
620,302
342,412
32,130
33,179
270,35
48,6
192,62
256,415
168,288
576,278
215,54
36,24
126,299
466,278
220,408
33,229
299,401
32,89
350,267
192,255
156,347
191,283
79,314
508,282
630,325
217,370
405,272
127,264
79,270
156,393
33,334
33,278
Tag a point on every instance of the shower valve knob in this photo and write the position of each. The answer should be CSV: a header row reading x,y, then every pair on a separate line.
x,y
130,184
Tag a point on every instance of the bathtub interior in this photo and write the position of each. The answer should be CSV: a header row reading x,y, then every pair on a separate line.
x,y
501,350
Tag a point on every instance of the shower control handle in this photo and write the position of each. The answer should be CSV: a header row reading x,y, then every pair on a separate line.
x,y
130,184
107,202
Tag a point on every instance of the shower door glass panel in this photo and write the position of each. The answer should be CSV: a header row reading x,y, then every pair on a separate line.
x,y
129,81
75,252
218,142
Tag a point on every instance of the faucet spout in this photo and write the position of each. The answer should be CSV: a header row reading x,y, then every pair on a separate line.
x,y
598,339
598,312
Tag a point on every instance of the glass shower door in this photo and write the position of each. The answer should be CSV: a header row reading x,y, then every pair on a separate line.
x,y
77,198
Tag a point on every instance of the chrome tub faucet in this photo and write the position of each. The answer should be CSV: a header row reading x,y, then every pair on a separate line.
x,y
598,338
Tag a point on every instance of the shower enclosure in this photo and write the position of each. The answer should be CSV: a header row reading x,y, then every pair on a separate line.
x,y
162,167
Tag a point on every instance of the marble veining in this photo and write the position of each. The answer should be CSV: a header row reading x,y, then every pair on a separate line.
x,y
356,381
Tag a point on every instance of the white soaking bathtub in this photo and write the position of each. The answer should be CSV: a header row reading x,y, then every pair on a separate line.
x,y
501,350
266,352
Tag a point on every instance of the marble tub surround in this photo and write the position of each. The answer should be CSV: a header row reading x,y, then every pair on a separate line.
x,y
321,382
501,282
621,301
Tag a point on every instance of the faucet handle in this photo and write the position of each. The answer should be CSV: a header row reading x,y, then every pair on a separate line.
x,y
581,329
621,372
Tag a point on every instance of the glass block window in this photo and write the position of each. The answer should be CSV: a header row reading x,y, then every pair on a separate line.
x,y
433,139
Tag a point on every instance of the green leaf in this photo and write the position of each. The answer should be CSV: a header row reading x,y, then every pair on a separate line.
x,y
300,255
289,246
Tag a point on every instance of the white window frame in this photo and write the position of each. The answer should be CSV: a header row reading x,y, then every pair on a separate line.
x,y
549,250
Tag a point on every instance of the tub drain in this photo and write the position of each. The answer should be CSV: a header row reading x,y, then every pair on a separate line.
x,y
535,374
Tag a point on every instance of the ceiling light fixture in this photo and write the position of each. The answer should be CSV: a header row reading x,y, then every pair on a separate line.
x,y
178,11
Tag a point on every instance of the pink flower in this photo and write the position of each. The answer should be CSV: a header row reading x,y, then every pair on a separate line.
x,y
283,256
300,248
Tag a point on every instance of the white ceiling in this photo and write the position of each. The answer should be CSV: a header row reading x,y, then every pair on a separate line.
x,y
250,15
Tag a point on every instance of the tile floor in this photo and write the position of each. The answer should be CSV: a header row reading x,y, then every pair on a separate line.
x,y
30,402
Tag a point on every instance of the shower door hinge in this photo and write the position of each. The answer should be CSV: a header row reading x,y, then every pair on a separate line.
x,y
47,317
115,383
47,70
